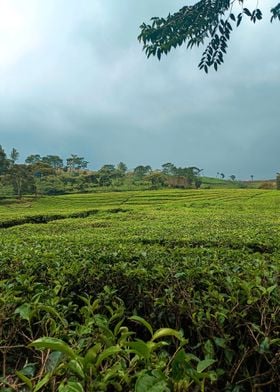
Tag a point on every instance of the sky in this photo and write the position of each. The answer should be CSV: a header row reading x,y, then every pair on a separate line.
x,y
74,80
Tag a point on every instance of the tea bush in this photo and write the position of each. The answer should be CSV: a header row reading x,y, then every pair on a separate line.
x,y
149,291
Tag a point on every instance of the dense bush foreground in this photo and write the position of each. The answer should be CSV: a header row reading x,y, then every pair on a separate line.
x,y
146,291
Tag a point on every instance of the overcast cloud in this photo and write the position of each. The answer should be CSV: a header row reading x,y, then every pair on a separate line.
x,y
74,79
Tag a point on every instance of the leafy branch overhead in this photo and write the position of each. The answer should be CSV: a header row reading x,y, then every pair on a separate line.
x,y
208,22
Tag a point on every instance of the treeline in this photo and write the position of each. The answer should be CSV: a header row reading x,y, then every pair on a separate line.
x,y
51,175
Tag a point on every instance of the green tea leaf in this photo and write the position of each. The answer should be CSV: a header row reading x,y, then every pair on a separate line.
x,y
150,383
54,344
179,365
71,386
42,382
118,326
91,354
29,370
25,311
53,360
202,365
140,348
271,288
142,321
162,332
76,368
208,349
264,346
191,357
107,353
220,342
275,342
25,379
52,311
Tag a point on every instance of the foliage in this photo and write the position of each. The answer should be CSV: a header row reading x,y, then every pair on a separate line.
x,y
182,177
210,21
121,167
53,161
32,159
21,178
157,179
169,168
112,274
141,171
4,163
51,185
14,155
41,169
74,162
46,175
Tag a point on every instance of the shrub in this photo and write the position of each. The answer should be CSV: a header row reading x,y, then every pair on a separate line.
x,y
267,185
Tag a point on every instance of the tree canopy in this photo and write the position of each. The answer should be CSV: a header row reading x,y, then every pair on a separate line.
x,y
207,22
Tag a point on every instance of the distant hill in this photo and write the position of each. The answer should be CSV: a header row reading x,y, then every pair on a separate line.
x,y
212,182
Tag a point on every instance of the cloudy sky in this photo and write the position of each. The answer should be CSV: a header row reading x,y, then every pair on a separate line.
x,y
74,79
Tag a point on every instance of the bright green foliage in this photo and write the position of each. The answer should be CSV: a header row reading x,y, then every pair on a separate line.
x,y
174,290
207,20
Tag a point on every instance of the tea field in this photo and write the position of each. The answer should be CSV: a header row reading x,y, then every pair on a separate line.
x,y
168,290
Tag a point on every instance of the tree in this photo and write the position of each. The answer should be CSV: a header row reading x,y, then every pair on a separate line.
x,y
190,173
41,169
54,161
33,158
208,21
22,179
108,169
252,177
182,176
74,162
232,177
168,168
51,185
141,171
122,168
4,162
157,179
106,174
14,155
222,176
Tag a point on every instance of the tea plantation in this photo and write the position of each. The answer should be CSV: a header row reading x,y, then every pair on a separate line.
x,y
172,290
